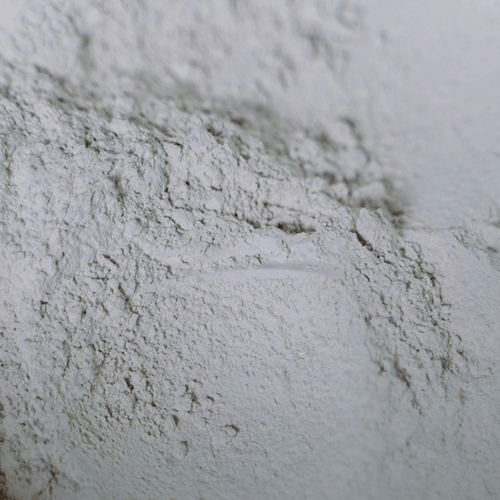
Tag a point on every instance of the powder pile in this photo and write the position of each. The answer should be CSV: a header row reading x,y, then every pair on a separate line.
x,y
201,299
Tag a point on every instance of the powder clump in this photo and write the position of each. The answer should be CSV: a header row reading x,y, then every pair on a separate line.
x,y
190,306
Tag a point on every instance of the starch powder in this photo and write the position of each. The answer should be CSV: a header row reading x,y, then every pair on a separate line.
x,y
203,299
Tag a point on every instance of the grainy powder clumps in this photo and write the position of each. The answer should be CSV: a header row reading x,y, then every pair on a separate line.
x,y
196,304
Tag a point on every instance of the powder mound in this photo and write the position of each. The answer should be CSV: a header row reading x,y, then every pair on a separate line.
x,y
190,291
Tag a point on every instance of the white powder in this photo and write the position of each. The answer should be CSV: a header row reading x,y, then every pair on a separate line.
x,y
201,299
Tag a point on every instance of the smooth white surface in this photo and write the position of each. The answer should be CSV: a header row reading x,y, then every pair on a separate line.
x,y
434,68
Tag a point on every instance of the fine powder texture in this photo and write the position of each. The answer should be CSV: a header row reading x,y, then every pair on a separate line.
x,y
190,308
201,299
